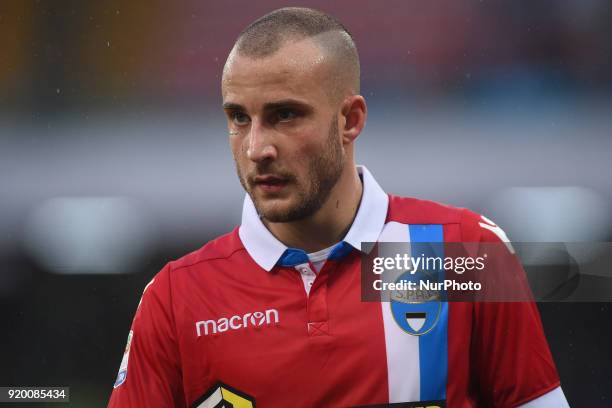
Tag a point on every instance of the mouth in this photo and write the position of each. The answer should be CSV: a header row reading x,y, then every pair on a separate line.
x,y
270,183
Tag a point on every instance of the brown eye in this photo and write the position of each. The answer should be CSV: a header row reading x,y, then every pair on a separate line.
x,y
285,115
239,118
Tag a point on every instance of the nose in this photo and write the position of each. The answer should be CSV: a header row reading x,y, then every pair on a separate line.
x,y
260,147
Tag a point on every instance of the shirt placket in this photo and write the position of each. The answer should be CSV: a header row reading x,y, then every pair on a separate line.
x,y
316,290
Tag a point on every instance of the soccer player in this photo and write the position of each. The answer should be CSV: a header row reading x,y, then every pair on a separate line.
x,y
271,313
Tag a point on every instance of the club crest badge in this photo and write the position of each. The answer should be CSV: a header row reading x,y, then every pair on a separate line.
x,y
122,375
415,311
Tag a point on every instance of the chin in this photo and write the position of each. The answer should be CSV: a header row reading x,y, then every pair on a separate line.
x,y
276,213
293,207
284,212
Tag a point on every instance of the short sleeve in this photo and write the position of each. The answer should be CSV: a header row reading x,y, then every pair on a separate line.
x,y
150,372
511,356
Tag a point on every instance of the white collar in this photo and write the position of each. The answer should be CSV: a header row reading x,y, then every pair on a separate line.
x,y
266,250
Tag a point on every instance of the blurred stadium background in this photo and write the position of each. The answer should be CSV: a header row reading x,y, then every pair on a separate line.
x,y
114,158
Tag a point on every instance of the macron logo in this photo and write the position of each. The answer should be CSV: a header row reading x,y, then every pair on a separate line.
x,y
237,322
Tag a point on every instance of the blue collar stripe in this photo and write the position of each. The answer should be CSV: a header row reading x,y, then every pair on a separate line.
x,y
339,251
295,256
292,257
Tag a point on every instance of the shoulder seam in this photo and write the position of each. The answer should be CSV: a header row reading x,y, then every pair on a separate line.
x,y
463,220
208,259
174,327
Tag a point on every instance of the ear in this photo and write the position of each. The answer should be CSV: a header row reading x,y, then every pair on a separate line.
x,y
355,112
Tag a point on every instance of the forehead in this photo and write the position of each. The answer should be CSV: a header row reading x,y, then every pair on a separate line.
x,y
297,70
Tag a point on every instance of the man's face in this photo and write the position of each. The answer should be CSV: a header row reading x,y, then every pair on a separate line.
x,y
283,130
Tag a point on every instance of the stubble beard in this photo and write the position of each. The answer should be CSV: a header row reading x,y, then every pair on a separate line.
x,y
324,171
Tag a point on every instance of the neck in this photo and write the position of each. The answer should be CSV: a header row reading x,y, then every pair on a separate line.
x,y
330,223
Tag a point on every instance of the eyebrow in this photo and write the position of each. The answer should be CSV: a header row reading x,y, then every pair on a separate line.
x,y
283,103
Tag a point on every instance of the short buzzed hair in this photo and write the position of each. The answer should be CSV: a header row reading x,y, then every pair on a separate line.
x,y
266,35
